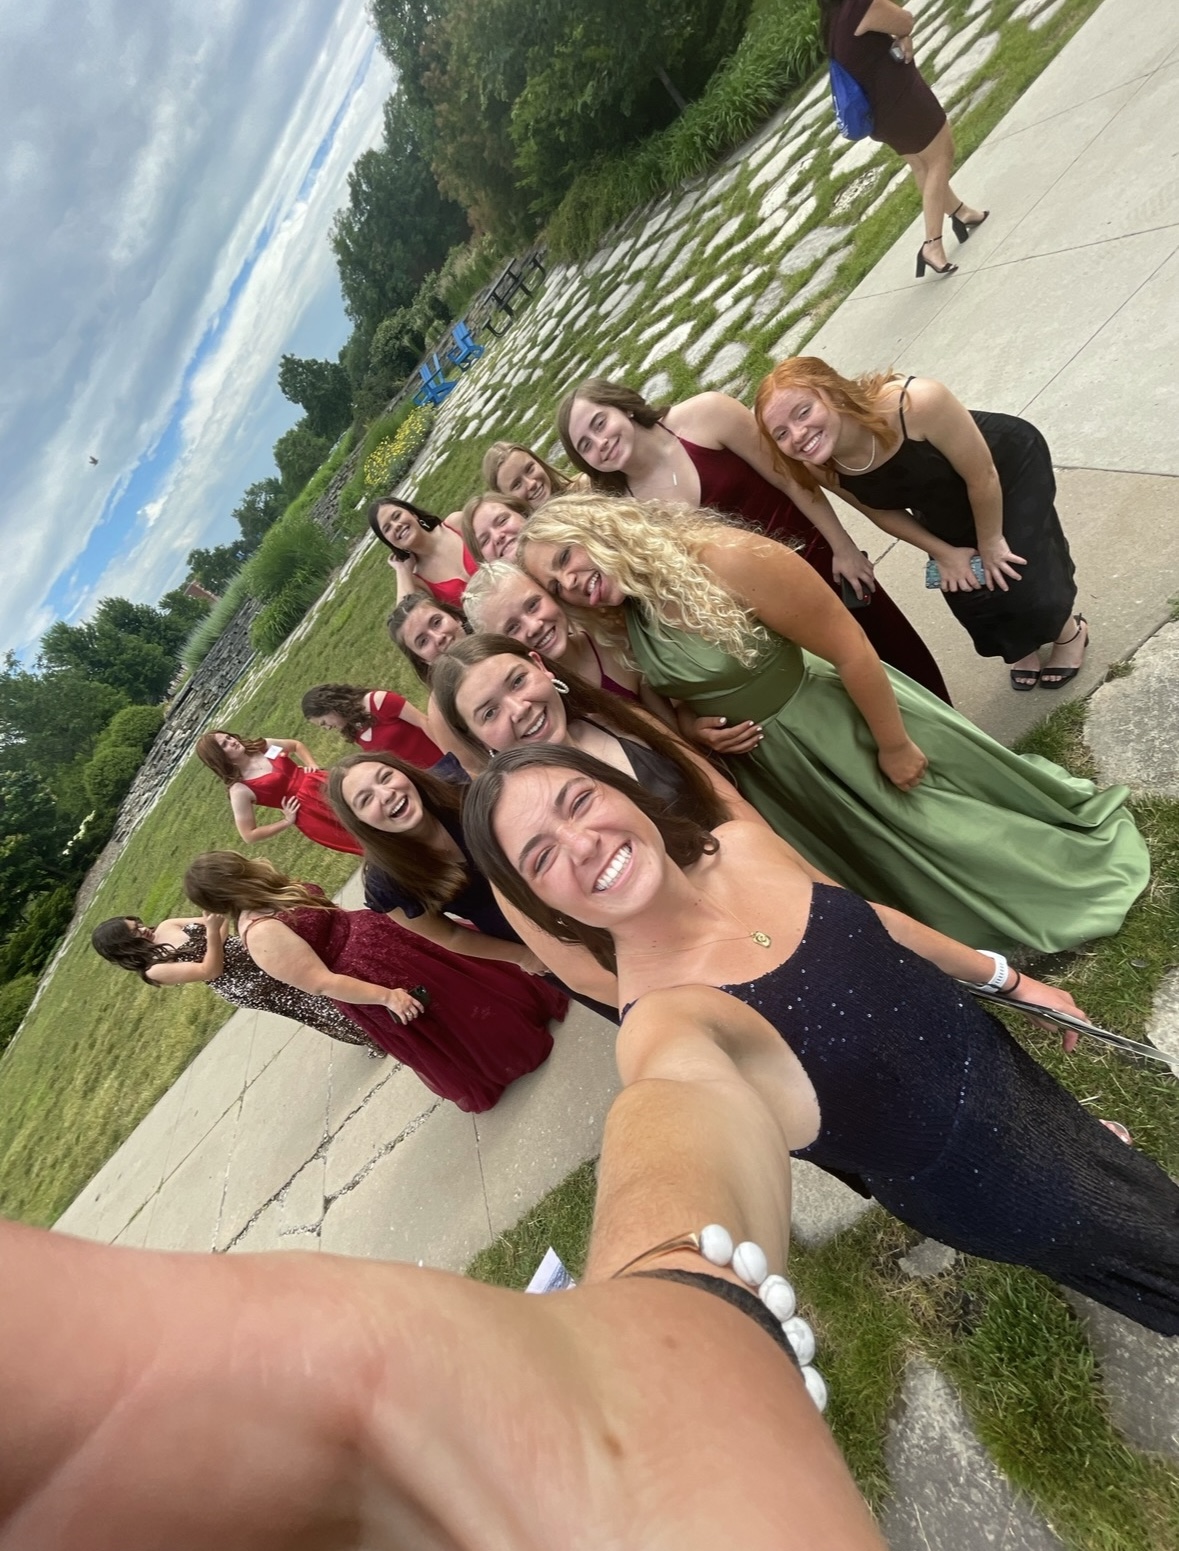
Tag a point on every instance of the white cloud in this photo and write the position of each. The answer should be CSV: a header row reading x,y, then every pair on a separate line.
x,y
198,142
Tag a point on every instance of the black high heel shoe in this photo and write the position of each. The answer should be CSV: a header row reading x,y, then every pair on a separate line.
x,y
1054,678
923,263
963,229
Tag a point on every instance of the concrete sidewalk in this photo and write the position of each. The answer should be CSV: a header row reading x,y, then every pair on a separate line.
x,y
1067,307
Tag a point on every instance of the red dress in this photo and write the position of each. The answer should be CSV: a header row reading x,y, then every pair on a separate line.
x,y
388,733
451,591
733,486
486,1023
315,819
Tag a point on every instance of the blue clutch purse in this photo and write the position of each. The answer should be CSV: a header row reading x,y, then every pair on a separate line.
x,y
933,577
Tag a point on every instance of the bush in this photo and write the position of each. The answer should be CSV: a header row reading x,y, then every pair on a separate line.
x,y
29,947
109,774
15,1000
779,52
284,611
207,632
294,546
134,727
391,459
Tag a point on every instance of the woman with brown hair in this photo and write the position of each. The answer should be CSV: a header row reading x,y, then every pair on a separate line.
x,y
492,524
706,452
974,489
510,468
425,551
423,628
186,951
263,772
373,719
467,1027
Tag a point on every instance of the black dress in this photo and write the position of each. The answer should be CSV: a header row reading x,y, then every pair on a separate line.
x,y
907,116
920,479
955,1129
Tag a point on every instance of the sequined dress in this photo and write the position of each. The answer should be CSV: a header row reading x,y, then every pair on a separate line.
x,y
955,1128
243,984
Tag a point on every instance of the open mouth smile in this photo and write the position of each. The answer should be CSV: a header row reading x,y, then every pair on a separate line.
x,y
398,808
811,443
614,868
535,728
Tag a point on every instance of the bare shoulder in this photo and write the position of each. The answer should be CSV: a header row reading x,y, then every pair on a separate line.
x,y
703,416
923,397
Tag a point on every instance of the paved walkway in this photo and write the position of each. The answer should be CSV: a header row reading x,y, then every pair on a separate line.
x,y
1067,308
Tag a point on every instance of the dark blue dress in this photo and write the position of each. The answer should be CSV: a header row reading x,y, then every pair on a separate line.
x,y
955,1129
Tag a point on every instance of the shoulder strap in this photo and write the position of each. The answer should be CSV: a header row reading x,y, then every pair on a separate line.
x,y
901,405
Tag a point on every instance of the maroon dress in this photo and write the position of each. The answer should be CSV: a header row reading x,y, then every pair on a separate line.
x,y
729,484
486,1022
905,113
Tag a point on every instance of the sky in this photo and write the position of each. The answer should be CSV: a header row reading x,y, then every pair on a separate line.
x,y
168,182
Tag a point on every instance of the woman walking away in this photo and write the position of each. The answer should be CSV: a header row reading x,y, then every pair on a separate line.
x,y
263,772
873,41
467,1027
954,1128
705,452
425,551
372,719
187,950
974,489
991,845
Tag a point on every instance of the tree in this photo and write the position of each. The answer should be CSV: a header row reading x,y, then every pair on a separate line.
x,y
259,508
298,453
185,611
50,720
125,659
322,389
215,568
34,836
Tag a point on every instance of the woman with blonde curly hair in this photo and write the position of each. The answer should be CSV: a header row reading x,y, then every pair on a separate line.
x,y
705,452
476,1024
961,833
973,489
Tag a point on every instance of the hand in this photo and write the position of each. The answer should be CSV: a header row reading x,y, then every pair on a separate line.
x,y
714,734
854,566
404,569
310,764
907,47
1049,996
290,807
402,1006
904,766
215,925
999,563
531,965
954,565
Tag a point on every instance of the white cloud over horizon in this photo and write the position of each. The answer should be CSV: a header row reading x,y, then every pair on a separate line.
x,y
163,252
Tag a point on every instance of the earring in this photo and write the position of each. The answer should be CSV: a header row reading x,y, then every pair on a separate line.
x,y
560,686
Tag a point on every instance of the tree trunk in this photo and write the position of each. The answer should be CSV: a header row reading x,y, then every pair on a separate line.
x,y
673,90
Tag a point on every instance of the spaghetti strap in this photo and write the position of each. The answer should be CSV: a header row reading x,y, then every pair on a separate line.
x,y
901,405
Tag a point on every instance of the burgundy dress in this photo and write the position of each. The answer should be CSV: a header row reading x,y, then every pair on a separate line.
x,y
729,484
906,115
486,1022
314,819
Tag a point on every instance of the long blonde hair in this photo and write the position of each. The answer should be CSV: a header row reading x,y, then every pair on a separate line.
x,y
855,397
485,583
652,549
228,882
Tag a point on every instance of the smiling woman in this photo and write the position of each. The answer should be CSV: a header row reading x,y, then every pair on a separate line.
x,y
424,550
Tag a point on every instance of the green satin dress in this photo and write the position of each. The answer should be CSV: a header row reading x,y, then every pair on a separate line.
x,y
996,849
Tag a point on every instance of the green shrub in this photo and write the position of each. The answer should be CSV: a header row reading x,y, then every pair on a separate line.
x,y
15,1000
779,52
294,546
207,632
109,774
285,610
134,727
29,947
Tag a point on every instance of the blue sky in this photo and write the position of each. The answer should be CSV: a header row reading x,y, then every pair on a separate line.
x,y
170,179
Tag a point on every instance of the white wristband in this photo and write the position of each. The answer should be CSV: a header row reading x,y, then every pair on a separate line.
x,y
1002,969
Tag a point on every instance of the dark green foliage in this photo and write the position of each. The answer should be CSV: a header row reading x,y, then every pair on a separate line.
x,y
259,508
201,641
183,610
15,1000
298,453
30,946
288,606
132,647
49,720
109,775
214,568
134,727
34,836
297,544
321,389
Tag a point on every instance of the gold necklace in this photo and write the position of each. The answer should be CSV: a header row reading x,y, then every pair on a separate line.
x,y
847,468
762,939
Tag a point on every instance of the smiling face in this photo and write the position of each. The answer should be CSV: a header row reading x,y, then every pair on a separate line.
x,y
582,847
510,702
521,475
519,607
496,528
382,797
567,572
602,435
397,526
429,632
802,424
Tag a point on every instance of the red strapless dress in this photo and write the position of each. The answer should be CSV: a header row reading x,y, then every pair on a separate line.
x,y
731,485
389,734
315,819
451,591
486,1023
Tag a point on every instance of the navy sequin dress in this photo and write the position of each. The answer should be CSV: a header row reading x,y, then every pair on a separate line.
x,y
955,1129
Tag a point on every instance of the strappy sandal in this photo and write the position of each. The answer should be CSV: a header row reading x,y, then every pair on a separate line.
x,y
1024,678
963,229
1055,678
923,263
